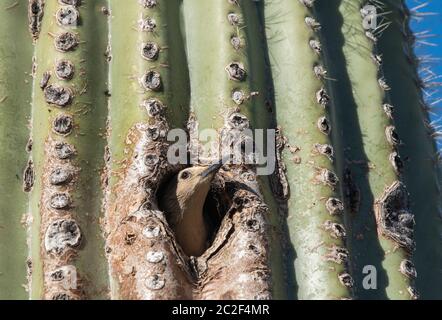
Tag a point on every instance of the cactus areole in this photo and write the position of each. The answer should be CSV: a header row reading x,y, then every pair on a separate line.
x,y
222,149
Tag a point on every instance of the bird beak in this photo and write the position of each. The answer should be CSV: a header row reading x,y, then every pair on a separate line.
x,y
212,168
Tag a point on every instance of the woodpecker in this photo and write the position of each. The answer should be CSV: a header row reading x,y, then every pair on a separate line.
x,y
183,202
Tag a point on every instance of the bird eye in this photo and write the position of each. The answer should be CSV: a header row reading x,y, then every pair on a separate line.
x,y
185,175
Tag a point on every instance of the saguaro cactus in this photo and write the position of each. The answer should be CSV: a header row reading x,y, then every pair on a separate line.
x,y
231,93
149,95
314,223
68,117
377,160
98,98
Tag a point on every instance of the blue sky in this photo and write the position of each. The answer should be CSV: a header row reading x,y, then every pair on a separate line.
x,y
434,24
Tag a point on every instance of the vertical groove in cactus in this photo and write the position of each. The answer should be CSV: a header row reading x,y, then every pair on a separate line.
x,y
371,166
68,133
149,95
262,116
92,207
15,110
315,222
418,147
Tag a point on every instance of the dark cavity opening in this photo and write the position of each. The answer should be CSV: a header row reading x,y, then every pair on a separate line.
x,y
218,201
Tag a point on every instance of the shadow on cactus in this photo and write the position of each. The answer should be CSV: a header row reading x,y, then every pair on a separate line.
x,y
309,167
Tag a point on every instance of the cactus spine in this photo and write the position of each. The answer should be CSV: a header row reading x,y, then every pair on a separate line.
x,y
90,92
315,223
418,147
377,200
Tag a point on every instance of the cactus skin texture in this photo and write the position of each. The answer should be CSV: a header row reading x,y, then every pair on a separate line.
x,y
90,91
317,234
367,169
15,110
418,146
83,273
219,96
141,113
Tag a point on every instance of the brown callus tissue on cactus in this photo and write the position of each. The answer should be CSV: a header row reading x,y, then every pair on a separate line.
x,y
219,150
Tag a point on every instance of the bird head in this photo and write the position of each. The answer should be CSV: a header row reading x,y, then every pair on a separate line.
x,y
194,183
183,201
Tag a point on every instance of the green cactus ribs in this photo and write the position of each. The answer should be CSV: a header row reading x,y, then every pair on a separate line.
x,y
117,119
150,83
307,156
229,94
69,115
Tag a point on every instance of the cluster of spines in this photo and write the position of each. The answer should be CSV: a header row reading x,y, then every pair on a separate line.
x,y
146,128
151,81
62,234
420,66
237,100
152,84
236,69
333,205
428,85
427,100
387,107
406,267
